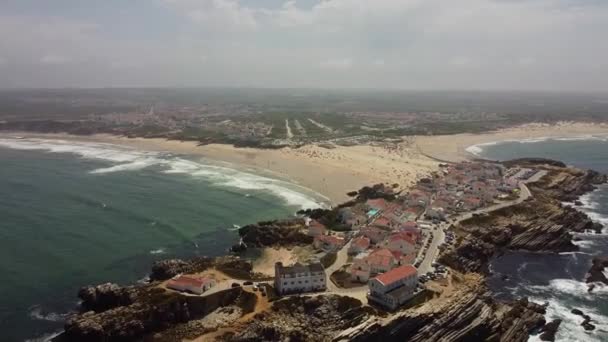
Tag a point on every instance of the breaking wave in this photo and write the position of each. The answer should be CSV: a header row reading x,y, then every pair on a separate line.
x,y
37,313
128,159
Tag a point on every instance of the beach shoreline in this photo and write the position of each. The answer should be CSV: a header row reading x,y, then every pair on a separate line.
x,y
453,148
333,172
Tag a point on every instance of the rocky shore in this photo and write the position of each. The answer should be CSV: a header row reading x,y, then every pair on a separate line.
x,y
465,312
540,224
468,314
597,272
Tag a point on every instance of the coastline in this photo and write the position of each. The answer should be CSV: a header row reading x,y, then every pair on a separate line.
x,y
329,172
453,148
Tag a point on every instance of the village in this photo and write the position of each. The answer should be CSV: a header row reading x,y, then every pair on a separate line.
x,y
384,249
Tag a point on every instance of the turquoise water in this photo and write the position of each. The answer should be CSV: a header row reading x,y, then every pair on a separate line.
x,y
558,279
94,213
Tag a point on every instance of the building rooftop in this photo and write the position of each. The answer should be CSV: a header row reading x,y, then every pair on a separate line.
x,y
299,268
397,274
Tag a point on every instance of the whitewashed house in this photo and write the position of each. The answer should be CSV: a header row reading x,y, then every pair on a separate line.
x,y
299,278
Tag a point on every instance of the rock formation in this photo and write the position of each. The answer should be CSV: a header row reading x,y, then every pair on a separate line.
x,y
470,314
596,272
275,233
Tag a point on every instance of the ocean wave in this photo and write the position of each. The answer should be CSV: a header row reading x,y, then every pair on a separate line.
x,y
37,313
570,288
158,251
129,159
46,337
570,329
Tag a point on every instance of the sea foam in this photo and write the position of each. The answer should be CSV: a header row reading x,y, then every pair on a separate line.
x,y
129,159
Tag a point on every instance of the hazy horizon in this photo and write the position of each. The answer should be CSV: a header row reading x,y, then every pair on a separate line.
x,y
408,45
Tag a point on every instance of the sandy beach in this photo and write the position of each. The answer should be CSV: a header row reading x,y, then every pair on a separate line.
x,y
336,171
329,172
453,147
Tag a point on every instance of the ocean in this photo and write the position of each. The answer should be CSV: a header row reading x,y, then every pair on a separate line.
x,y
558,279
77,213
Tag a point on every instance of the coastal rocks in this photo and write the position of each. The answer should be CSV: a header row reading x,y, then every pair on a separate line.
x,y
586,324
275,233
166,269
597,272
549,331
469,315
233,265
105,296
304,319
153,310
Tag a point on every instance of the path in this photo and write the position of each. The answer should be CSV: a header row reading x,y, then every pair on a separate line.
x,y
321,126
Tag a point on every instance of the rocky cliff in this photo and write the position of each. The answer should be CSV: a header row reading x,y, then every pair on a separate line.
x,y
542,223
152,309
275,233
468,314
298,318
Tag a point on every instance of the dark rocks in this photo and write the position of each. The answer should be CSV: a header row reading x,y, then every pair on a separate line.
x,y
470,315
596,272
586,319
275,233
105,296
166,269
549,331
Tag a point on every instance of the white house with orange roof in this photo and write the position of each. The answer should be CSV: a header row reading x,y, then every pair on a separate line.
x,y
366,265
328,243
395,287
190,284
359,245
375,234
402,242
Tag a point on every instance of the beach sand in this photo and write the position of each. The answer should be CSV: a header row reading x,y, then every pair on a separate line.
x,y
453,147
329,172
334,172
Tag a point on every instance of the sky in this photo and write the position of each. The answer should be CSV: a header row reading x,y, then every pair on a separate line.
x,y
555,45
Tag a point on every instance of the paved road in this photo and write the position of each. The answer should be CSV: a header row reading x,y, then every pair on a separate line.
x,y
341,259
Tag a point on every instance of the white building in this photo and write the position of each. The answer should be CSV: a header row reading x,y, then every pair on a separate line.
x,y
395,287
190,284
299,278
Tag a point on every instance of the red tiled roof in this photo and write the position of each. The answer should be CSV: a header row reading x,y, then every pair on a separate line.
x,y
378,203
396,274
409,238
362,242
185,280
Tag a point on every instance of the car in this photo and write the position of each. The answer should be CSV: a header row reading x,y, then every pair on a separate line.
x,y
248,283
235,285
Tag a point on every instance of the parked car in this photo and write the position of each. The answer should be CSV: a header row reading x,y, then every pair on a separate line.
x,y
235,285
248,283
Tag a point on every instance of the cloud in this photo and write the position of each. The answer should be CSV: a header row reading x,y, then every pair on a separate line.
x,y
337,64
497,44
54,59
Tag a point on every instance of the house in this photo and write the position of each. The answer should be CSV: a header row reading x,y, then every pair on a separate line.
x,y
471,203
328,242
360,268
381,260
359,245
375,234
299,278
315,228
383,222
190,284
395,287
403,242
366,265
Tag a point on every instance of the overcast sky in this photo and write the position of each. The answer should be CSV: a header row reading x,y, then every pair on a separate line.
x,y
406,44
